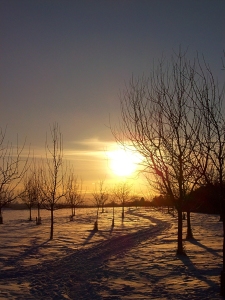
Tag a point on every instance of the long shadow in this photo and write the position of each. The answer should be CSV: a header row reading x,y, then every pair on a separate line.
x,y
78,273
92,233
33,249
199,274
99,232
150,218
111,230
197,243
193,240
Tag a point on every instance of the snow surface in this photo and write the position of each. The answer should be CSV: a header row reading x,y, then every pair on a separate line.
x,y
134,260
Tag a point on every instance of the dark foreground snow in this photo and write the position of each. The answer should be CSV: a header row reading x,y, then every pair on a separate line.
x,y
135,260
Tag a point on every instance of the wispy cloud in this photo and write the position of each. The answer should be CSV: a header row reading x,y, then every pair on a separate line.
x,y
92,147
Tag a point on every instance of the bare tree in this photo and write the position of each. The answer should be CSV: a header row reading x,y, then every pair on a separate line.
x,y
13,166
28,194
100,196
53,174
31,193
122,192
162,119
213,108
38,184
74,195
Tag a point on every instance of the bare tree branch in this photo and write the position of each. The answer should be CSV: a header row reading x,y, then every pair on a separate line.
x,y
53,174
162,118
13,167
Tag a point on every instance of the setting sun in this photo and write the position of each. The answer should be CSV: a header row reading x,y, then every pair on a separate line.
x,y
123,162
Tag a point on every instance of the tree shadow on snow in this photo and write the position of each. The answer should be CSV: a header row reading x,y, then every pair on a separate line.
x,y
91,234
210,250
150,218
190,269
31,250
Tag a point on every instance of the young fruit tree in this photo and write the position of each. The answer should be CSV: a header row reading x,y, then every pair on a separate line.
x,y
53,174
100,195
13,166
122,193
31,193
74,195
28,194
38,185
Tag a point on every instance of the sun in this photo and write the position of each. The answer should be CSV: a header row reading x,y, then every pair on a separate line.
x,y
124,162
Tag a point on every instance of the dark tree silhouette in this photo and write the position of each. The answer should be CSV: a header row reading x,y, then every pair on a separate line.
x,y
31,193
100,196
53,174
74,194
122,193
161,117
213,111
13,167
28,194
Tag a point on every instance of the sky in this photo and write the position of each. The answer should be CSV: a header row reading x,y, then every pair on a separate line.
x,y
67,61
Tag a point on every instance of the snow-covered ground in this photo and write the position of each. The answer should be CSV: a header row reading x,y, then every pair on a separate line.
x,y
134,260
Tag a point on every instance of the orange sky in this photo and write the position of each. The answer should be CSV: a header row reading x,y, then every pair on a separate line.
x,y
96,164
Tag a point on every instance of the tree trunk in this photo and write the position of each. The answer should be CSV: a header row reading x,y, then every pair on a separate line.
x,y
38,218
1,218
222,278
189,229
180,249
96,221
52,219
221,211
122,213
39,211
30,218
96,225
113,218
73,211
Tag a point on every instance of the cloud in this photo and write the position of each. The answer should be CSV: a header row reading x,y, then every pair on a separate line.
x,y
90,147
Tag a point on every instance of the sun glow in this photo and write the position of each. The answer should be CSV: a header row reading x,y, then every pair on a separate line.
x,y
123,161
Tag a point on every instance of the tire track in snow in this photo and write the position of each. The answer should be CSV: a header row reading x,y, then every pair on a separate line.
x,y
73,275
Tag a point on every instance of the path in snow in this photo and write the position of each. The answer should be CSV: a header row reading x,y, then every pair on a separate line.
x,y
153,271
137,264
73,276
